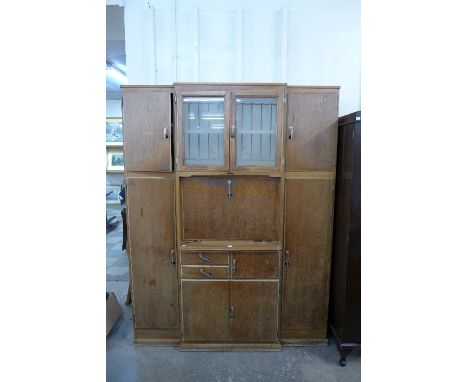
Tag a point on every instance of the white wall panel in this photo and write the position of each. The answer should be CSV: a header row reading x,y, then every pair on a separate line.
x,y
315,42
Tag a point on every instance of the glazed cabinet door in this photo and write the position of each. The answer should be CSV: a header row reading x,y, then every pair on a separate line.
x,y
147,130
306,267
312,129
254,311
202,131
205,310
255,132
151,209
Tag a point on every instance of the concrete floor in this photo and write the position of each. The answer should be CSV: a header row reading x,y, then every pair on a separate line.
x,y
129,362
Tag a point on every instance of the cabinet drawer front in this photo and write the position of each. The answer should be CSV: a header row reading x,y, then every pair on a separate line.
x,y
205,258
255,265
205,272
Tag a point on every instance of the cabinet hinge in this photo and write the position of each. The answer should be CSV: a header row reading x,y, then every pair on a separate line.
x,y
353,135
333,190
282,163
177,163
334,163
284,96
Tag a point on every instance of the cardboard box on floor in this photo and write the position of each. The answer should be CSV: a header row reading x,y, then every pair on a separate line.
x,y
113,311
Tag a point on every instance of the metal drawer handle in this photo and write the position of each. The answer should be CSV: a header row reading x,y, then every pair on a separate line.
x,y
207,274
207,259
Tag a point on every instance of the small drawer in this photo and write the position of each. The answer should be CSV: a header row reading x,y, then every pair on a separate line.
x,y
205,258
255,265
205,272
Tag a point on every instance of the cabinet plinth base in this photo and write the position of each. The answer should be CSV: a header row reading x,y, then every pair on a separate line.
x,y
189,346
161,337
304,342
304,337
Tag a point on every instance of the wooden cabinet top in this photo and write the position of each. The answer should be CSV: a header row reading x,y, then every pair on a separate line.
x,y
226,85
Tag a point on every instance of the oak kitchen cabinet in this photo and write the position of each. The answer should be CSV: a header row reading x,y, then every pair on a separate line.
x,y
230,203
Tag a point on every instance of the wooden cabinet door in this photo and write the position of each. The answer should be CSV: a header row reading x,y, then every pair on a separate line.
x,y
308,234
255,212
230,208
254,311
147,130
255,265
205,310
206,208
151,205
312,129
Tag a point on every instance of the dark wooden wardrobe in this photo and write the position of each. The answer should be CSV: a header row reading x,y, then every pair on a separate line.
x,y
345,295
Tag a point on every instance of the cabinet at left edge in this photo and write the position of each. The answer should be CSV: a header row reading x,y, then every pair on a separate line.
x,y
148,118
147,125
151,210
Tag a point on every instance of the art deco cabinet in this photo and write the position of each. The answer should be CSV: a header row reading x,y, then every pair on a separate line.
x,y
230,212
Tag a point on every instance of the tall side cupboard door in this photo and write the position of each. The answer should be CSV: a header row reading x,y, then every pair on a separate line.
x,y
312,129
151,205
306,268
147,129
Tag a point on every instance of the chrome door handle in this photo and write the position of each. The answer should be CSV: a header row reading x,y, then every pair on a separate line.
x,y
165,133
207,274
173,260
286,258
291,132
229,193
233,266
207,259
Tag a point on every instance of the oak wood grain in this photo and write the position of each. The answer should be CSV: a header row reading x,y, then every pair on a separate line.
x,y
150,204
255,265
205,311
205,272
314,119
251,213
255,311
205,258
308,233
147,130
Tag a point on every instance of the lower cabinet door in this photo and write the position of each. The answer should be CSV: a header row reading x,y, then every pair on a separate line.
x,y
151,209
205,311
254,311
308,234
